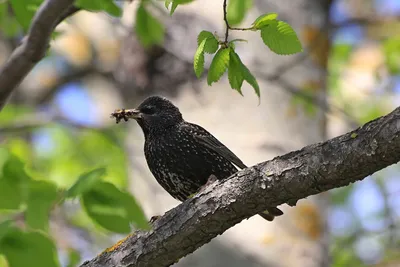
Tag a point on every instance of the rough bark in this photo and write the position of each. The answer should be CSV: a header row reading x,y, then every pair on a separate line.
x,y
34,46
284,179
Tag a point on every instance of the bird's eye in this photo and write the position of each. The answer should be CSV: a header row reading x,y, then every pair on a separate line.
x,y
148,110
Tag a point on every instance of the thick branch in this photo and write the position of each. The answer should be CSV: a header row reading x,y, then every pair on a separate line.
x,y
34,46
285,179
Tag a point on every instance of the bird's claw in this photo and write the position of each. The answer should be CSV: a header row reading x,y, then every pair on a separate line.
x,y
211,179
153,219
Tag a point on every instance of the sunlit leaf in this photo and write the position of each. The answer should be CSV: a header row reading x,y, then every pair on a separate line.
x,y
238,72
281,38
235,76
264,20
211,45
392,54
218,65
198,62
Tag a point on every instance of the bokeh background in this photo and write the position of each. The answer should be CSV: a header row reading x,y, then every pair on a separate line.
x,y
58,121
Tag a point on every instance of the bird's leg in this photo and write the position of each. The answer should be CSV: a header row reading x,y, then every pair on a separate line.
x,y
211,179
153,219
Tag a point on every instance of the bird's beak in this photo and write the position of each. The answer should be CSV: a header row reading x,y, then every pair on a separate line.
x,y
133,114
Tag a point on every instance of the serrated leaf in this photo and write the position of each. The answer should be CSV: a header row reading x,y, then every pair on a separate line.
x,y
235,76
281,38
42,195
148,29
218,65
100,5
25,248
264,20
248,76
239,73
198,62
85,182
211,45
113,209
237,10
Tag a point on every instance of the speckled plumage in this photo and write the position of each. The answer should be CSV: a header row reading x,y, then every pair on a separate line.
x,y
182,155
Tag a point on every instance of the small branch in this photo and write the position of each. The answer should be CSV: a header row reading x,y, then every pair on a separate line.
x,y
314,169
34,46
228,27
226,22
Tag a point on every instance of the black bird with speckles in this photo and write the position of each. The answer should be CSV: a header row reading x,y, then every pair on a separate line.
x,y
182,156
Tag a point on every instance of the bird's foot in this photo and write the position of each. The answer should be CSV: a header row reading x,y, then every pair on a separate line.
x,y
210,180
154,219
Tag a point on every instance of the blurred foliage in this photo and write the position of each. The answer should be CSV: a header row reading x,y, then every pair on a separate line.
x,y
86,168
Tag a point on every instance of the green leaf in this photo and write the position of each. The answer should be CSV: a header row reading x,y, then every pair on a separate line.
x,y
167,3
175,4
113,209
24,11
264,20
148,29
9,25
237,10
85,182
235,76
211,45
28,248
100,5
281,38
5,226
218,65
13,184
248,77
198,62
392,54
42,195
74,257
238,72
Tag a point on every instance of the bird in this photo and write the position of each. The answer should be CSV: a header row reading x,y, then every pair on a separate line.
x,y
182,156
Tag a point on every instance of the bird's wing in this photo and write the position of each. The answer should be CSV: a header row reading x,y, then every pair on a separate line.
x,y
208,140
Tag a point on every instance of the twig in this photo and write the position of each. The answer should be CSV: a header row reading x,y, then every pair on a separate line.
x,y
228,27
33,46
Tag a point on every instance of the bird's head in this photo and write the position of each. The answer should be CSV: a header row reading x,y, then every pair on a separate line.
x,y
156,114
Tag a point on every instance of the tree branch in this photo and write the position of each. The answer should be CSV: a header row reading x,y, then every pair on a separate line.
x,y
285,179
34,46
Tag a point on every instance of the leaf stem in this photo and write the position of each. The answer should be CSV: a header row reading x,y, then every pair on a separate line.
x,y
228,27
226,22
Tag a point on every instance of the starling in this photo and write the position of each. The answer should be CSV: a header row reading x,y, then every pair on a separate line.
x,y
181,155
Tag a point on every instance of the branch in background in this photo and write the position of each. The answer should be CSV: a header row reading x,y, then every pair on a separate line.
x,y
33,46
285,179
39,120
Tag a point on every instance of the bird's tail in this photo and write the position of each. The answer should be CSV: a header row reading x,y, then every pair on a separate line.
x,y
270,213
